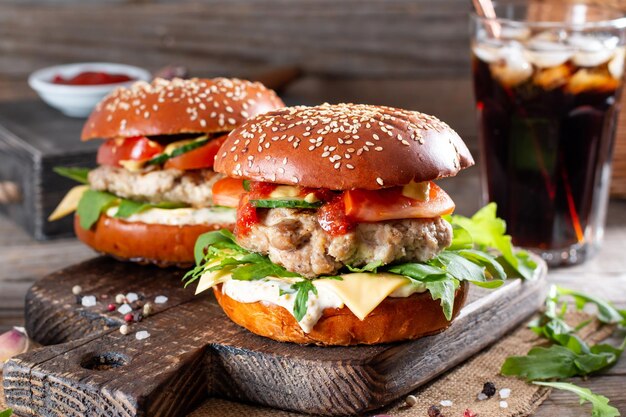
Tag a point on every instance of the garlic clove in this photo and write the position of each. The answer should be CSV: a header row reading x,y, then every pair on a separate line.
x,y
12,343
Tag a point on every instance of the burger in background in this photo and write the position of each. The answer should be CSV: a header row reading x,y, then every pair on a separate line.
x,y
342,235
151,195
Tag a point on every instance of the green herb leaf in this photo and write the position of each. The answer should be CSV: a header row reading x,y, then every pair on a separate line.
x,y
302,297
246,185
370,267
129,207
607,313
461,238
488,231
560,362
74,173
6,413
542,363
261,269
91,205
444,290
599,403
419,272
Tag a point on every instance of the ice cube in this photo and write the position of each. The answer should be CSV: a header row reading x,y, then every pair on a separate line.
x,y
488,51
551,78
591,51
548,49
514,69
616,65
514,32
586,80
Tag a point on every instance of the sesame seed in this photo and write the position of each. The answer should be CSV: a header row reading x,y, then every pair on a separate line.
x,y
380,181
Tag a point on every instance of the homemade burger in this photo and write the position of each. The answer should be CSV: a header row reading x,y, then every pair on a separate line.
x,y
342,235
151,196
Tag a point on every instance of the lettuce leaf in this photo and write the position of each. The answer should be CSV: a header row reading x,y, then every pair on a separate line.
x,y
92,205
599,403
77,174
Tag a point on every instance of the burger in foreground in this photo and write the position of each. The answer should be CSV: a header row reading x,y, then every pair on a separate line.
x,y
151,196
342,236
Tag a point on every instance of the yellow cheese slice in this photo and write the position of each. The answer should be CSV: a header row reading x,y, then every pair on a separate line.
x,y
209,279
363,292
285,191
360,292
417,190
69,204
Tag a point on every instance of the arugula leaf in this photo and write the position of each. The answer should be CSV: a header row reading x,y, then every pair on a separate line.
x,y
370,267
599,403
91,205
607,313
542,363
206,240
417,271
246,185
129,207
77,174
262,269
444,290
302,297
6,413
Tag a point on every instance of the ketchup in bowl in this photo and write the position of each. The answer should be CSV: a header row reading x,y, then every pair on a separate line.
x,y
92,78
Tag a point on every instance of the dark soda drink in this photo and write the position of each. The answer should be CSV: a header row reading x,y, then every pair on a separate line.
x,y
547,109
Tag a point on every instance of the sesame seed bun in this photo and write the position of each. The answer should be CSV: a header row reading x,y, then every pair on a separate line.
x,y
165,107
343,146
395,319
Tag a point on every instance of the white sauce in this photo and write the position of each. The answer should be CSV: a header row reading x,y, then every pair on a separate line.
x,y
180,216
267,290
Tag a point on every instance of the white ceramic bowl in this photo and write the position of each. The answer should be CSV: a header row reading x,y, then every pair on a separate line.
x,y
79,100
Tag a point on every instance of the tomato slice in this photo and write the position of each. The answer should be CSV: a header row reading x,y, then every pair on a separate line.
x,y
202,157
227,192
138,148
391,204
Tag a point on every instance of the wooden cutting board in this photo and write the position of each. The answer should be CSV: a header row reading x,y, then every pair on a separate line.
x,y
194,351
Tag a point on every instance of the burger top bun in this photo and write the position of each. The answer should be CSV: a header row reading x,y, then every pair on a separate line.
x,y
343,146
164,107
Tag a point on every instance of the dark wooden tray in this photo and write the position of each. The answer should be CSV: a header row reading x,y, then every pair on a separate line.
x,y
195,351
35,138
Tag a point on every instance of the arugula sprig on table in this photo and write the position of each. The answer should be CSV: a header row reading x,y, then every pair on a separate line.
x,y
569,355
6,413
93,203
471,258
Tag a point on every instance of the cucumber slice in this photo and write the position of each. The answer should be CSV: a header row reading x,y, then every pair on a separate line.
x,y
286,203
162,158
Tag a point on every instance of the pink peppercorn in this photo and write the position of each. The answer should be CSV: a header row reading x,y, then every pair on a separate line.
x,y
111,307
128,318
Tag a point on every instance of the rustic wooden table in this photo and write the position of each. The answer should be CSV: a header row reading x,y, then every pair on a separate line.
x,y
23,260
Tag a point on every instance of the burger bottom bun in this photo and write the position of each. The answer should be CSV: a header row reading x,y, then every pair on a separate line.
x,y
158,244
394,320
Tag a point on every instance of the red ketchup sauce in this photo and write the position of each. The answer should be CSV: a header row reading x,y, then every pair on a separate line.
x,y
91,78
332,217
246,212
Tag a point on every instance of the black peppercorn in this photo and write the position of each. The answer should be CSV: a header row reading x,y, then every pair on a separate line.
x,y
489,389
